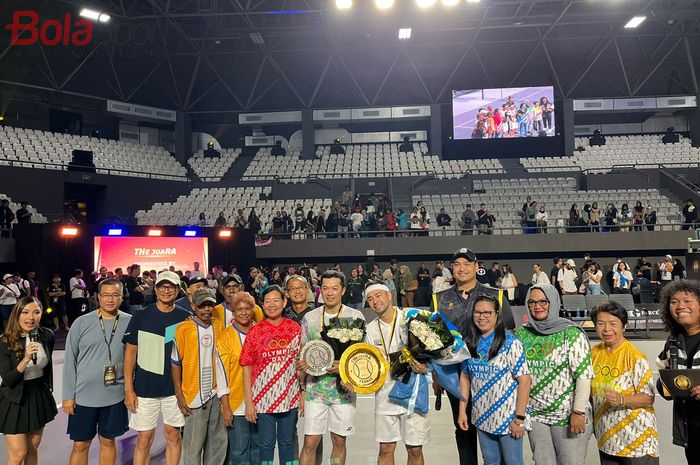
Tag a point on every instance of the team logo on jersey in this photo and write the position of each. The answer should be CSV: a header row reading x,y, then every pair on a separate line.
x,y
206,340
606,371
481,271
277,344
539,351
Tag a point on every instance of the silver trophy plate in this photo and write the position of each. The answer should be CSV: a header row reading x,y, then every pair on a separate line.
x,y
319,356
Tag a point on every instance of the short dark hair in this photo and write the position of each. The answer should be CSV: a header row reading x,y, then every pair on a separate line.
x,y
393,261
197,280
77,271
611,307
329,274
135,266
556,260
110,282
689,286
273,288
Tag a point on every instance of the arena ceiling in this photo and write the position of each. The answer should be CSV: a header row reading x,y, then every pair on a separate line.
x,y
212,56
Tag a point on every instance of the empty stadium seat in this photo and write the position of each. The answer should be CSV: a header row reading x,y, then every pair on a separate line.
x,y
36,216
212,169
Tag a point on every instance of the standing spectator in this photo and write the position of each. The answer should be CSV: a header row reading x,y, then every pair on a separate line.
x,y
272,391
202,221
415,225
678,272
422,295
595,217
498,382
690,215
665,270
567,278
538,276
94,398
26,369
595,277
509,283
638,284
57,298
297,288
221,221
402,220
276,278
320,223
559,357
9,293
78,295
343,223
622,279
650,217
482,223
625,218
347,196
136,288
554,273
243,446
22,285
23,215
196,272
7,216
468,220
494,275
490,221
355,290
541,218
331,226
622,392
230,287
611,218
148,383
33,287
254,223
443,220
645,267
240,220
531,216
356,219
679,308
574,218
277,224
638,216
192,358
258,282
298,218
390,223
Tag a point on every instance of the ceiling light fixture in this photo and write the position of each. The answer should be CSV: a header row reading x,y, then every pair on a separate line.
x,y
384,4
425,3
343,4
405,33
94,15
634,22
450,2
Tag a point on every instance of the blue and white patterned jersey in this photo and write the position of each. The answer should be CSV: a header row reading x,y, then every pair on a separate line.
x,y
494,385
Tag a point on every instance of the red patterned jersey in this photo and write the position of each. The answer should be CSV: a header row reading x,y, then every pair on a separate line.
x,y
270,350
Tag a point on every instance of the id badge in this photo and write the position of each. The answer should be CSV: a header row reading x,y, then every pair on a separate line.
x,y
110,375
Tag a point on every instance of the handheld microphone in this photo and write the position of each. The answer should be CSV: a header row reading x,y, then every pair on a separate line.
x,y
33,337
673,354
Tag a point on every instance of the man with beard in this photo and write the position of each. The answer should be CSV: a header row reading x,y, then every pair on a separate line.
x,y
457,305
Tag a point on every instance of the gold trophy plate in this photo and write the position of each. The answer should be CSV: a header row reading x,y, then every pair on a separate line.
x,y
363,366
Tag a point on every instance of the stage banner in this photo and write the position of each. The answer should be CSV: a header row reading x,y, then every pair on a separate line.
x,y
152,253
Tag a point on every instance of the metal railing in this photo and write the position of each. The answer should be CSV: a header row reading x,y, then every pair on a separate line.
x,y
98,170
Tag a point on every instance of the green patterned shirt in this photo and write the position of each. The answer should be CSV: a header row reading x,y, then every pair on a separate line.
x,y
556,362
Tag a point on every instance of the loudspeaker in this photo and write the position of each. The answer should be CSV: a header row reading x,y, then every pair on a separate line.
x,y
82,161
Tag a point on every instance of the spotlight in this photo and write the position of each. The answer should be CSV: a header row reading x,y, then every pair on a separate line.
x,y
190,233
225,233
2,118
343,4
155,232
425,3
49,311
115,232
450,2
69,231
384,4
405,33
94,15
634,22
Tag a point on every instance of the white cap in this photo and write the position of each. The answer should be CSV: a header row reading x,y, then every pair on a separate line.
x,y
570,262
8,275
169,276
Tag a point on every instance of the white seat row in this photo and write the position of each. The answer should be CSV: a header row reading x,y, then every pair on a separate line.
x,y
36,216
31,148
211,169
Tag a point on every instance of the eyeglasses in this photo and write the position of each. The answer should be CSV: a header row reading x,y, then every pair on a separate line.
x,y
484,314
167,288
296,288
535,303
110,296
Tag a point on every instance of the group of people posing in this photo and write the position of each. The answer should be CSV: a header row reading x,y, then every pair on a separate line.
x,y
231,373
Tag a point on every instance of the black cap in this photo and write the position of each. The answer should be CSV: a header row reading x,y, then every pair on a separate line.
x,y
197,280
232,277
466,254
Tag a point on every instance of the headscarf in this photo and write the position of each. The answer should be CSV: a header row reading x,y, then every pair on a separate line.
x,y
553,324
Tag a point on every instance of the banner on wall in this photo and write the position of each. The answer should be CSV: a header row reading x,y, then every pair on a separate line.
x,y
152,253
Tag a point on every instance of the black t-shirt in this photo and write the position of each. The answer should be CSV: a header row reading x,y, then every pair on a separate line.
x,y
135,298
482,276
23,216
57,302
151,324
355,290
493,277
554,274
423,281
691,346
294,316
482,217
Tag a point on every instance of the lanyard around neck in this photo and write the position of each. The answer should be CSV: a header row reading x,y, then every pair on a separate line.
x,y
391,335
323,316
111,337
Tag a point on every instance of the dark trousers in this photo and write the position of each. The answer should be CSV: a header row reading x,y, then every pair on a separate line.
x,y
606,459
692,452
466,440
75,309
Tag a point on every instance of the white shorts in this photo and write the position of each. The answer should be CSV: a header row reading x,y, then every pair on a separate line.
x,y
149,409
319,418
414,430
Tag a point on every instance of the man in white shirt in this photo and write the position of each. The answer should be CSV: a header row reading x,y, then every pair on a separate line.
x,y
392,421
538,277
9,293
356,219
567,278
196,273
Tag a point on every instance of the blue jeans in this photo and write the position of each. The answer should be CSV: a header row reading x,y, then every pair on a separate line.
x,y
594,289
494,447
277,428
243,447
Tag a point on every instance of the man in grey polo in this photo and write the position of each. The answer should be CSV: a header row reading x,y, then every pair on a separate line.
x,y
93,377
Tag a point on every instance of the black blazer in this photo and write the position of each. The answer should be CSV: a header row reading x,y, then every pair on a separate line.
x,y
12,380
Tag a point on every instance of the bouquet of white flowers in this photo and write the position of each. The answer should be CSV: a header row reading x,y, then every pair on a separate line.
x,y
342,333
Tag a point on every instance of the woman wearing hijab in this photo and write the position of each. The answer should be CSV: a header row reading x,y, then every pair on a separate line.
x,y
559,358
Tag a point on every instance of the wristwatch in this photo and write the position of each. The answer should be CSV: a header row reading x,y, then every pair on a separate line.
x,y
520,417
578,412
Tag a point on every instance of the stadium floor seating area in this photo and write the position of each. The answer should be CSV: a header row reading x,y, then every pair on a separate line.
x,y
31,148
619,150
363,161
212,169
186,209
505,199
14,206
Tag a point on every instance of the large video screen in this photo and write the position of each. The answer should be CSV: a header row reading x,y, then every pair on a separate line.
x,y
152,253
514,112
